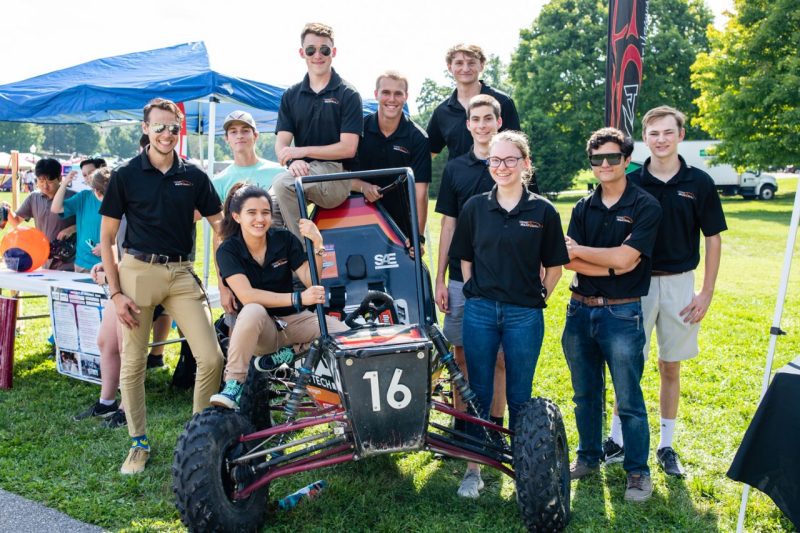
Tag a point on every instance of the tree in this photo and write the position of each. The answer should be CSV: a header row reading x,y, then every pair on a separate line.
x,y
72,138
495,74
123,141
19,136
558,72
749,85
431,95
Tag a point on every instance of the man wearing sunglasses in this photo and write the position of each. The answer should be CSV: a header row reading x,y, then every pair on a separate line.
x,y
610,243
446,126
322,115
392,140
158,193
691,205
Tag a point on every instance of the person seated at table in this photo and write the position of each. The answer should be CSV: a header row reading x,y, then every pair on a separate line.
x,y
256,262
85,208
37,206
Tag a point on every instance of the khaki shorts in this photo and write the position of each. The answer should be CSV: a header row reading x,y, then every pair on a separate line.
x,y
668,295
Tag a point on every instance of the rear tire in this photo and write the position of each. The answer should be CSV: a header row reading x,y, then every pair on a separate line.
x,y
202,484
541,465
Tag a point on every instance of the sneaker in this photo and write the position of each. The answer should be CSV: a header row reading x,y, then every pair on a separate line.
x,y
229,397
117,420
134,463
640,488
155,361
578,469
471,485
269,362
669,461
97,409
612,452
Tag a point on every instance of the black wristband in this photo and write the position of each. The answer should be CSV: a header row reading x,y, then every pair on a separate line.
x,y
297,301
422,239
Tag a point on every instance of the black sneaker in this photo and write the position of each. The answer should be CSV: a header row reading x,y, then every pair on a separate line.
x,y
116,420
669,461
155,361
612,452
97,409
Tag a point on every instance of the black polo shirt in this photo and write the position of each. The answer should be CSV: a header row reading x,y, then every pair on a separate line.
x,y
284,255
507,247
690,204
159,207
637,215
318,119
448,124
406,147
463,177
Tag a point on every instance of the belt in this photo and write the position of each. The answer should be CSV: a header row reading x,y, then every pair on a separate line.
x,y
664,273
602,301
160,259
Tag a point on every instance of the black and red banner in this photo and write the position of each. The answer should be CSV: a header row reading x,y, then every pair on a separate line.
x,y
626,23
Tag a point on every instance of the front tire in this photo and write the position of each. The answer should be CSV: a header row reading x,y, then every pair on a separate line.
x,y
541,465
767,192
254,403
202,482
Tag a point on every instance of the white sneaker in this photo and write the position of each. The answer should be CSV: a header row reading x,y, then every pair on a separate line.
x,y
471,485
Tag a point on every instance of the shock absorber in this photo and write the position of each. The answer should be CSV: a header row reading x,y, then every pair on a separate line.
x,y
305,371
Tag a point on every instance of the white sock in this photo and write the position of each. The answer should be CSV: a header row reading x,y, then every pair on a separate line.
x,y
667,430
106,402
616,430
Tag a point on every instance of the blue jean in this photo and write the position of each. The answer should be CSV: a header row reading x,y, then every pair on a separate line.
x,y
487,325
612,334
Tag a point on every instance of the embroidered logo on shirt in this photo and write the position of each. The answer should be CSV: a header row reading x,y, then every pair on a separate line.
x,y
687,194
183,183
625,219
402,149
530,224
279,263
330,101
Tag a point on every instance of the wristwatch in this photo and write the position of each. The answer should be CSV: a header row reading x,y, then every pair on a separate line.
x,y
320,251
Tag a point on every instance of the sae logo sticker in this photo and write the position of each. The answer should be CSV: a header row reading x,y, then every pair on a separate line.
x,y
386,261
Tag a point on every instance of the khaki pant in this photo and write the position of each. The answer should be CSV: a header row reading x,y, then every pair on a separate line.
x,y
176,288
328,194
255,333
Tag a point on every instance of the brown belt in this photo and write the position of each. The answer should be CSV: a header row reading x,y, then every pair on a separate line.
x,y
664,273
602,301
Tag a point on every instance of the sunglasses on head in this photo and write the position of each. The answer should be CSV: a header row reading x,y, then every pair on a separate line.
x,y
157,127
324,50
596,160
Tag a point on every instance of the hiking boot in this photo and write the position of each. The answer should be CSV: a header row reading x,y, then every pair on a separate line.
x,y
669,461
97,409
155,361
230,396
639,489
117,420
578,469
612,452
134,463
471,485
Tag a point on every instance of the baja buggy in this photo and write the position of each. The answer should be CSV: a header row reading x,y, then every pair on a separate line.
x,y
365,392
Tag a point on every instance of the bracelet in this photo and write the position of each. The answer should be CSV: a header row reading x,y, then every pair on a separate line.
x,y
320,251
422,239
114,294
297,301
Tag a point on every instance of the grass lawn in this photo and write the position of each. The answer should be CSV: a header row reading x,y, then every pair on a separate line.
x,y
74,466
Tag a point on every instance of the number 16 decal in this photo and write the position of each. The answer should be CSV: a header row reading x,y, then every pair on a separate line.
x,y
395,388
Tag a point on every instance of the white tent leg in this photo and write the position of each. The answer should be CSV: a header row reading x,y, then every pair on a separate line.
x,y
775,330
212,121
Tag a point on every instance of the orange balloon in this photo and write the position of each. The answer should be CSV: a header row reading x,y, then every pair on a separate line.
x,y
25,249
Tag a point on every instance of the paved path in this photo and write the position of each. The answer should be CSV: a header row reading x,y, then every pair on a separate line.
x,y
19,515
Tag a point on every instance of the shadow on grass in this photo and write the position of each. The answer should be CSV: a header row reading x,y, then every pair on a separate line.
x,y
778,210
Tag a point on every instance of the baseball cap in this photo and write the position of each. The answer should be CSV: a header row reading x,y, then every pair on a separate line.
x,y
239,116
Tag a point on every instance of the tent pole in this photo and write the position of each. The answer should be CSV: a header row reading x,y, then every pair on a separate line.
x,y
775,330
212,126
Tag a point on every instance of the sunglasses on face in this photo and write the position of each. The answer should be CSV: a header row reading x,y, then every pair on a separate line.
x,y
509,162
157,127
596,160
324,50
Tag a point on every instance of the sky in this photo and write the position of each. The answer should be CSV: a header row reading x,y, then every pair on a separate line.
x,y
260,39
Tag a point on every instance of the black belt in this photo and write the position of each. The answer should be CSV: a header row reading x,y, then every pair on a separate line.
x,y
159,259
664,273
601,301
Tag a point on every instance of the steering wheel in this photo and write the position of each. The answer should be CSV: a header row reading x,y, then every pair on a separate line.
x,y
373,304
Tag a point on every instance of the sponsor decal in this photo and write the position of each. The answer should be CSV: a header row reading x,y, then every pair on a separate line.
x,y
330,101
279,262
625,219
687,194
386,261
401,149
530,224
183,183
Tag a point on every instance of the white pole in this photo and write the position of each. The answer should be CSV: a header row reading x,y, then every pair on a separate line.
x,y
775,330
212,127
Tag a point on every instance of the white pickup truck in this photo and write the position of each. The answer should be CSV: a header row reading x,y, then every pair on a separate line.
x,y
749,184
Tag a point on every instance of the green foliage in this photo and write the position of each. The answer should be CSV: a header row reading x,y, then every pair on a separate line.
x,y
750,85
19,136
123,141
72,139
495,74
431,95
